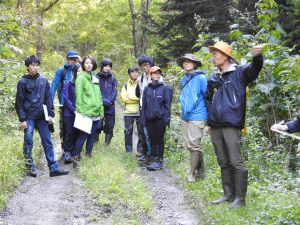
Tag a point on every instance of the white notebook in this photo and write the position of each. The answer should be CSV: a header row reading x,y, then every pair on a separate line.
x,y
83,123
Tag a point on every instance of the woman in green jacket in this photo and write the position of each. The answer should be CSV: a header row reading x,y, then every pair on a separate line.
x,y
88,104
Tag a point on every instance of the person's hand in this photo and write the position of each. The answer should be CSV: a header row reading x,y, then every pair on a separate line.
x,y
257,50
281,127
23,125
50,119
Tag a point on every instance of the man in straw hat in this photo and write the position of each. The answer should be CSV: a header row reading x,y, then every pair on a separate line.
x,y
193,112
226,103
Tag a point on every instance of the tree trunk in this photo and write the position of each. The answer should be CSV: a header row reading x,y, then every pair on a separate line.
x,y
40,32
144,20
134,29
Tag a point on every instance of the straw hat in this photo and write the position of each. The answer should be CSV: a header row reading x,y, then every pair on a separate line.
x,y
224,48
190,57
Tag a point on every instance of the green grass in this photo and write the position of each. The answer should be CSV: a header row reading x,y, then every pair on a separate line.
x,y
12,166
111,175
269,201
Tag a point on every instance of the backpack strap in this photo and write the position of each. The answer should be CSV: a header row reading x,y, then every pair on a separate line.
x,y
125,86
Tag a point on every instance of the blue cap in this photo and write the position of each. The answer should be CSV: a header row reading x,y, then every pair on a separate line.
x,y
72,54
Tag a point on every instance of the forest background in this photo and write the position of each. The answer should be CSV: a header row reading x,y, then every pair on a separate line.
x,y
166,29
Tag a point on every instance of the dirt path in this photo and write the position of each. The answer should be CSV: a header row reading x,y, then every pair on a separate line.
x,y
172,206
56,200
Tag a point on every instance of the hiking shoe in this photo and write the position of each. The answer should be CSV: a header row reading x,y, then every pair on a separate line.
x,y
138,154
142,158
148,160
68,157
32,172
156,165
58,172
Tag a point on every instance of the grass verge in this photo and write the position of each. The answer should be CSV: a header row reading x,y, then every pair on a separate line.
x,y
111,175
12,168
272,194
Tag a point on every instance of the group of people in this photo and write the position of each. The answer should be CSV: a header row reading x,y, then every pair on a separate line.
x,y
218,101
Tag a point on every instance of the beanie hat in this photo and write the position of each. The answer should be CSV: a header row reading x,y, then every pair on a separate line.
x,y
132,69
145,59
105,62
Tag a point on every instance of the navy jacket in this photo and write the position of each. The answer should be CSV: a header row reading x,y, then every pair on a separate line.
x,y
32,93
109,89
226,94
157,100
69,98
294,126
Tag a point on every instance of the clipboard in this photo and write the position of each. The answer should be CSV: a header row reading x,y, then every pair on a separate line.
x,y
83,123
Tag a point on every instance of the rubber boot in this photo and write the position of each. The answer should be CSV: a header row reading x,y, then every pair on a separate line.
x,y
194,161
241,183
108,138
200,172
228,186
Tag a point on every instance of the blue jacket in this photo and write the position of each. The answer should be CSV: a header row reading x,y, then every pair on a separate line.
x,y
32,93
109,90
58,83
192,96
157,100
294,126
226,94
69,98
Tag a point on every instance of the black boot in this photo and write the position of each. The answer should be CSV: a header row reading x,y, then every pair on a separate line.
x,y
241,183
228,186
108,138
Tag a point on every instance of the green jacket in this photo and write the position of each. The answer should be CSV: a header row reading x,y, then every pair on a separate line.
x,y
128,97
88,95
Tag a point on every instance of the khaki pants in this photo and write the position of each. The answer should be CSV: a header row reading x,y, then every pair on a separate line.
x,y
227,146
193,132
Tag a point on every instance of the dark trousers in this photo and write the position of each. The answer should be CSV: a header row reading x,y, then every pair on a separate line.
x,y
128,122
227,145
106,124
61,126
156,130
89,138
70,133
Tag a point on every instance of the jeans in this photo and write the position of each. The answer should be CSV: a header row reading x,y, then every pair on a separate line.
x,y
129,121
156,130
89,138
147,140
44,132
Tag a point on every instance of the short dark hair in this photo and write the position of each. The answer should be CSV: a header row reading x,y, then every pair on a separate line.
x,y
93,62
31,60
132,69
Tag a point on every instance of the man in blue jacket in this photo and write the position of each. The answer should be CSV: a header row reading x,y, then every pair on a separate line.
x,y
193,112
61,76
33,92
226,103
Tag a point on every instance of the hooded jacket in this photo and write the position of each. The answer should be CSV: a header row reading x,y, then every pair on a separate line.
x,y
88,95
192,96
157,99
226,94
32,93
58,84
129,98
109,89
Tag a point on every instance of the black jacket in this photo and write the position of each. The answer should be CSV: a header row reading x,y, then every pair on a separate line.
x,y
294,126
32,93
157,100
226,95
